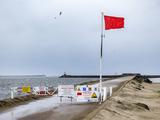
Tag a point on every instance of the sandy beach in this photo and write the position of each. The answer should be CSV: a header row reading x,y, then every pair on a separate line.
x,y
135,101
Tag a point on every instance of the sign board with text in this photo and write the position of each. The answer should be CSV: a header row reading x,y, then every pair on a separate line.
x,y
26,89
87,93
66,90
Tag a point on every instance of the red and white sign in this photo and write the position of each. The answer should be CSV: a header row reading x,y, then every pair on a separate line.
x,y
87,93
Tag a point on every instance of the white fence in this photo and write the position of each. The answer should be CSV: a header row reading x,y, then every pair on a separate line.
x,y
27,90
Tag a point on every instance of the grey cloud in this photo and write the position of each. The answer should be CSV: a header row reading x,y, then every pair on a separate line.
x,y
33,42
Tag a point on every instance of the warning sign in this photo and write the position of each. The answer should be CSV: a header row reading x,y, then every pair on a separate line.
x,y
87,93
94,95
26,89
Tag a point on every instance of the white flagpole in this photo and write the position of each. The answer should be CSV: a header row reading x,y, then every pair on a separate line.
x,y
101,55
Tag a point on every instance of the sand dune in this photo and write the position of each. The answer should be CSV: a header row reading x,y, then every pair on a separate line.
x,y
136,101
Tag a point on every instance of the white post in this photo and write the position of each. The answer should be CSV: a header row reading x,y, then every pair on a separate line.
x,y
101,54
60,98
12,94
110,91
104,93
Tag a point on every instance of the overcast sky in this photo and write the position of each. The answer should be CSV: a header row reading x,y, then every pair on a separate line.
x,y
32,41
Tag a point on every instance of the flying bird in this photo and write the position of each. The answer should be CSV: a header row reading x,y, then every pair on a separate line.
x,y
60,13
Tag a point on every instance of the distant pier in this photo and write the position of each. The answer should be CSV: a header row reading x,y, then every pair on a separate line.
x,y
108,76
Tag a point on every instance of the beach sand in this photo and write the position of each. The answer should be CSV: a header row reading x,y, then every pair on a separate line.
x,y
135,101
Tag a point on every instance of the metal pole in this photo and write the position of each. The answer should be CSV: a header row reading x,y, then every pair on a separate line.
x,y
100,81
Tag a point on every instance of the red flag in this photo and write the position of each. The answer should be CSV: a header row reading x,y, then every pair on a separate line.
x,y
112,22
